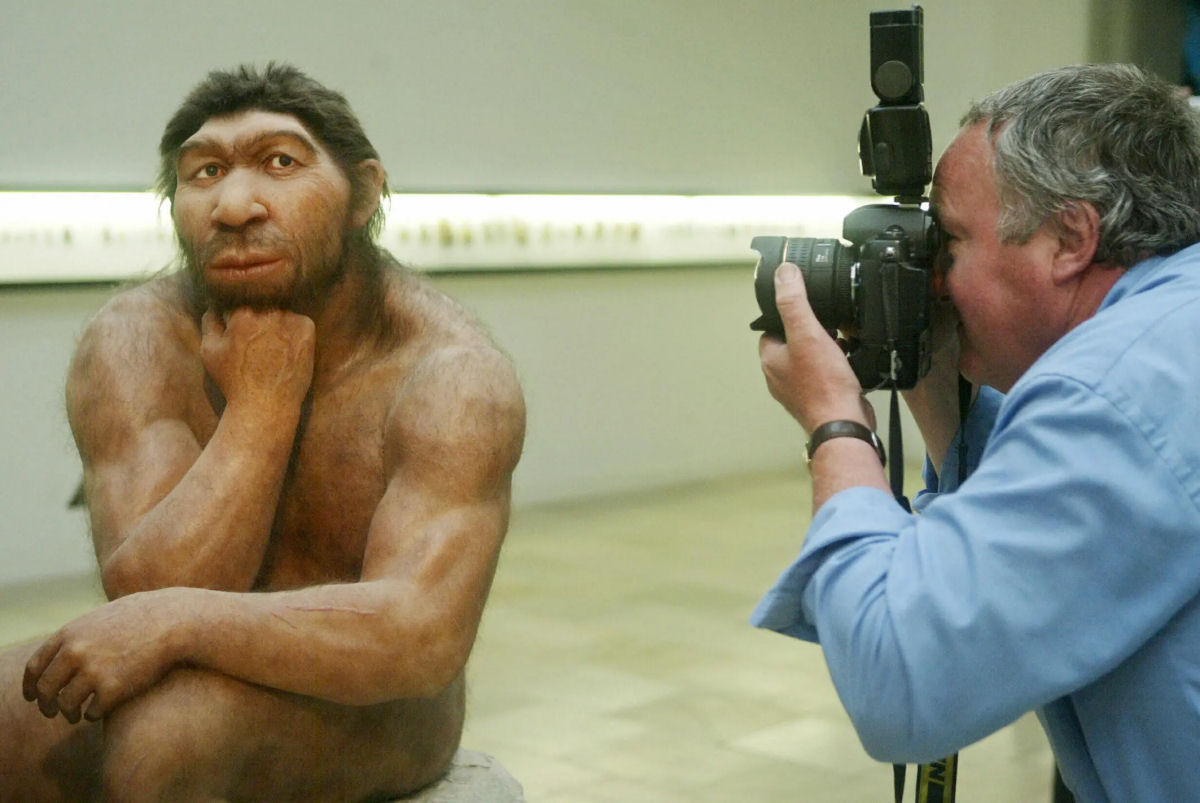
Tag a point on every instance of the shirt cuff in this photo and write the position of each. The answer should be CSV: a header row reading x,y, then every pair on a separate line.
x,y
839,521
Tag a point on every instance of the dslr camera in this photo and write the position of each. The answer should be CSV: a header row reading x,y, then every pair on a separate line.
x,y
877,291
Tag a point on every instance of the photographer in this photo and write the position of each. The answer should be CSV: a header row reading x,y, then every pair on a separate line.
x,y
1064,574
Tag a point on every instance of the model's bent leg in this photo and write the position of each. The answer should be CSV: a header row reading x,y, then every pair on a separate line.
x,y
42,759
199,736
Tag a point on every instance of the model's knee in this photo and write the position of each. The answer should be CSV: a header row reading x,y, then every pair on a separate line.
x,y
163,745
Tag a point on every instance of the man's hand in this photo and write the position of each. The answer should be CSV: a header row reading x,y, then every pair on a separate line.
x,y
264,357
943,342
110,655
933,401
809,375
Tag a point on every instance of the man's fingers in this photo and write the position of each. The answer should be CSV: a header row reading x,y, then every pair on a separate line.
x,y
70,699
49,674
211,324
767,344
36,666
789,286
105,698
96,709
56,677
791,299
48,707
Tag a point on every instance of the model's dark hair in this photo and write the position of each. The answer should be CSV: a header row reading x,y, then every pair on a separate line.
x,y
1108,134
278,88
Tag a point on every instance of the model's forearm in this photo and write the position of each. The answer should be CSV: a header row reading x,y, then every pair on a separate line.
x,y
355,644
211,530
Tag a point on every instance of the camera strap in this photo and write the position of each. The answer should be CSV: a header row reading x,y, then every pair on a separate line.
x,y
935,781
964,408
896,452
938,780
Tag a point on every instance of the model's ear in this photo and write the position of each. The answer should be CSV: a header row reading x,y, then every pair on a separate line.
x,y
370,183
1078,232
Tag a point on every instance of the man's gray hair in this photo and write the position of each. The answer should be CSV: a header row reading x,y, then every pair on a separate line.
x,y
1108,134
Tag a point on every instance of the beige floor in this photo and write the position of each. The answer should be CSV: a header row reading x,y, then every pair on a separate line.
x,y
615,662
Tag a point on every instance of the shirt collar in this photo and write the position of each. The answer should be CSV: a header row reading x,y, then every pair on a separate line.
x,y
1146,273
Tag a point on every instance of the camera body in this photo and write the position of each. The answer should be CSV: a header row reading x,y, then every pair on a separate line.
x,y
877,291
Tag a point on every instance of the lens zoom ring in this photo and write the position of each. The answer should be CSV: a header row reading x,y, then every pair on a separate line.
x,y
799,251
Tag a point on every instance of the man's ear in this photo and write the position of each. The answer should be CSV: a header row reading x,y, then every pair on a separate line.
x,y
370,183
1078,230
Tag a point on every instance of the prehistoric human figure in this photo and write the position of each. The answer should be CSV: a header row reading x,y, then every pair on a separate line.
x,y
297,460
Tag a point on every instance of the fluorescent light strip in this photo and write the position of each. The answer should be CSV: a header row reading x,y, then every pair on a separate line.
x,y
48,237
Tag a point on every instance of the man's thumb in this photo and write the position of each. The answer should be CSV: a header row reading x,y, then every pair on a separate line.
x,y
789,287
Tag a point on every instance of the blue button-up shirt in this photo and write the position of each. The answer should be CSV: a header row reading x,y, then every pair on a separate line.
x,y
1062,576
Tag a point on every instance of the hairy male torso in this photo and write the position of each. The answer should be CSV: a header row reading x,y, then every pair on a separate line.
x,y
333,484
336,473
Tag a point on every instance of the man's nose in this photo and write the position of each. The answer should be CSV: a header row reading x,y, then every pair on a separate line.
x,y
239,201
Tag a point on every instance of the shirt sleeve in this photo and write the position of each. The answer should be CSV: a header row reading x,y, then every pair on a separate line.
x,y
1037,576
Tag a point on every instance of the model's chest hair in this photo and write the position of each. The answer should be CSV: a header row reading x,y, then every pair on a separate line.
x,y
334,482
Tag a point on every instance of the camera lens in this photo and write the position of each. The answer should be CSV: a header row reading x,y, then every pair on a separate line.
x,y
828,269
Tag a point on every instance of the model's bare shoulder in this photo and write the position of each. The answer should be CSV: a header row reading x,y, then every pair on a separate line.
x,y
462,406
459,401
134,362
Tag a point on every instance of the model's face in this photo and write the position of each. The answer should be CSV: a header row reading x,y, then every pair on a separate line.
x,y
261,211
1002,291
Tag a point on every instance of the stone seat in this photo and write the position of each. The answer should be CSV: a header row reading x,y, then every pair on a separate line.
x,y
473,777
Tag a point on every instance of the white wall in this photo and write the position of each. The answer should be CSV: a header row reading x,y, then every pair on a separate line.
x,y
757,96
635,378
39,470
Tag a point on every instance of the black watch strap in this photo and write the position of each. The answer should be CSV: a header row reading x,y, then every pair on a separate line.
x,y
845,429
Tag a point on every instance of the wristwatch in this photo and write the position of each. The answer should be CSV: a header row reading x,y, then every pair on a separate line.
x,y
845,429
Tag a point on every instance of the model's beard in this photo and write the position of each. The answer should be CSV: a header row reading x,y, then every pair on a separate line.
x,y
317,266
